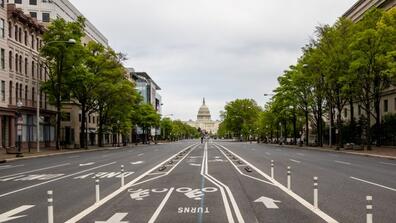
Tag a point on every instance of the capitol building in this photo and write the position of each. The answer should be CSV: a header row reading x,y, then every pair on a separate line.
x,y
204,120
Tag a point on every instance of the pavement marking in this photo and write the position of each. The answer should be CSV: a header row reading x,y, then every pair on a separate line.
x,y
342,162
87,164
31,171
223,195
236,167
268,202
393,164
161,206
137,162
268,153
372,183
140,154
296,161
56,179
116,218
95,206
195,164
305,203
8,216
9,166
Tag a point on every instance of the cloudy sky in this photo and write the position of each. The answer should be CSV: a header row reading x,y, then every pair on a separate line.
x,y
218,49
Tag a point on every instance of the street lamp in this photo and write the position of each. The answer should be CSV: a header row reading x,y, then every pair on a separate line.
x,y
19,129
71,42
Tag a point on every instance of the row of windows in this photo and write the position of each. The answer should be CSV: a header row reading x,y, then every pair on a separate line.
x,y
90,118
19,92
385,108
31,2
19,62
21,35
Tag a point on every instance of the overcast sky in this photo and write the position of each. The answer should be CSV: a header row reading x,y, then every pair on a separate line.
x,y
217,49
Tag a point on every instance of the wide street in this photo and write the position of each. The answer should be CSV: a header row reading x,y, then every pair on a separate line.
x,y
186,181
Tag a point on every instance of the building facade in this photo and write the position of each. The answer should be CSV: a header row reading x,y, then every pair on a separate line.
x,y
21,73
204,120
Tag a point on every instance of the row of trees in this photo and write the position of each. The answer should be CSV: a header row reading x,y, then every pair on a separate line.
x,y
346,66
93,77
176,130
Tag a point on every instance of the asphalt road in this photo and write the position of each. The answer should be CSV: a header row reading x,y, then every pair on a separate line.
x,y
192,182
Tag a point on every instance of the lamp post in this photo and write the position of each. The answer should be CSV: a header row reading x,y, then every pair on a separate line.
x,y
19,129
71,42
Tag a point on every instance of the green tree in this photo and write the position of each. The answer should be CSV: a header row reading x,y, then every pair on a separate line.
x,y
147,118
61,59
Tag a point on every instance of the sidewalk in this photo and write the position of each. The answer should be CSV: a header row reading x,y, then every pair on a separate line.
x,y
387,152
4,157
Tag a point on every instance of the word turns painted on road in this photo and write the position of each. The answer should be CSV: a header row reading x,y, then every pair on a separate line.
x,y
193,210
195,194
104,175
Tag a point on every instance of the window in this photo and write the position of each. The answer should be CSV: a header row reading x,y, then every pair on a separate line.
x,y
33,68
9,29
26,93
33,95
20,63
32,2
26,66
20,35
345,113
359,110
89,119
37,43
16,91
385,105
16,63
3,90
10,60
66,117
32,42
16,32
2,59
2,28
46,17
10,91
93,119
18,1
26,38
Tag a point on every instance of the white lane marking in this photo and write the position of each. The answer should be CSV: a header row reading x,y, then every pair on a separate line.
x,y
140,154
268,153
8,216
240,172
9,166
372,183
230,195
223,195
137,162
96,205
268,202
342,162
296,161
87,164
116,218
162,204
71,157
31,171
301,154
56,179
393,164
306,204
195,164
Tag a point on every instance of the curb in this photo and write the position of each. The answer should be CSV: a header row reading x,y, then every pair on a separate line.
x,y
60,153
337,151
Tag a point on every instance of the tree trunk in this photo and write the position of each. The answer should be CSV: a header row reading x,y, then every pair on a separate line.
x,y
100,129
294,128
58,102
306,128
368,125
82,126
352,123
377,99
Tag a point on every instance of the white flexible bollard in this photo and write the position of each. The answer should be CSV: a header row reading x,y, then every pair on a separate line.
x,y
122,176
272,169
315,190
50,207
369,209
97,190
288,178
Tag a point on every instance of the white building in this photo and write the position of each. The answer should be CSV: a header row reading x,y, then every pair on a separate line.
x,y
47,10
204,120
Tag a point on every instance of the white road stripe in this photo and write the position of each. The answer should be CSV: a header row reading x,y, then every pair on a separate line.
x,y
269,154
303,202
393,164
31,171
140,154
56,179
296,161
159,209
95,206
342,162
9,166
372,183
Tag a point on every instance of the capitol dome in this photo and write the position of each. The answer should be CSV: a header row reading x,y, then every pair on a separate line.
x,y
203,113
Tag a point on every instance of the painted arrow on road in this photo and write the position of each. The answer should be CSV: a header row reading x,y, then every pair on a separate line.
x,y
268,202
116,218
87,164
8,216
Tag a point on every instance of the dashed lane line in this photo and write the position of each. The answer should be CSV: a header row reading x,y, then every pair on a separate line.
x,y
296,161
392,164
56,179
31,171
299,199
372,183
95,206
342,162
